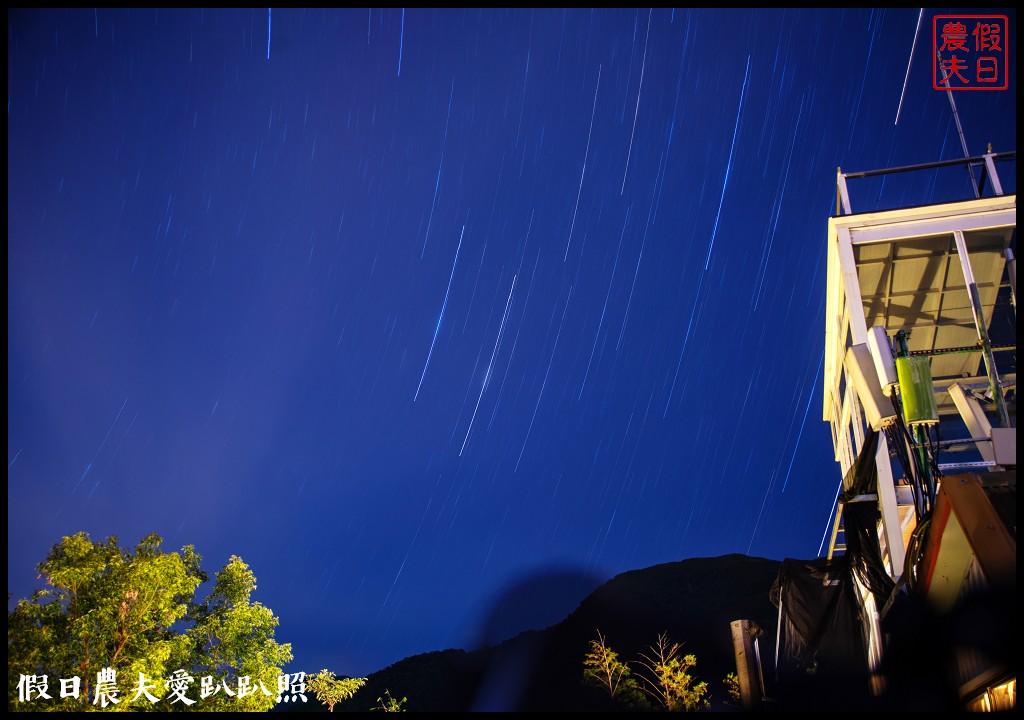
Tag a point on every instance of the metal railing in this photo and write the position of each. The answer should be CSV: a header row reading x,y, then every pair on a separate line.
x,y
986,162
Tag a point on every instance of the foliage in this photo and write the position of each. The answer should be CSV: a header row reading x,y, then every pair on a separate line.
x,y
134,612
602,668
390,704
331,690
667,678
233,637
664,676
732,686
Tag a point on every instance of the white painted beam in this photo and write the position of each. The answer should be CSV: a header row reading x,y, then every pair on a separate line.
x,y
887,505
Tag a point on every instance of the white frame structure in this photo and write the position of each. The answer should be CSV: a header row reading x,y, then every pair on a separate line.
x,y
939,269
847,325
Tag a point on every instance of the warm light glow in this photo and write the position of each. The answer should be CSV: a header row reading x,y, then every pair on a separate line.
x,y
998,698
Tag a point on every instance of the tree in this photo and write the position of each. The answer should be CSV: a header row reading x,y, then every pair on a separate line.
x,y
667,679
233,638
602,668
390,704
331,690
732,687
127,625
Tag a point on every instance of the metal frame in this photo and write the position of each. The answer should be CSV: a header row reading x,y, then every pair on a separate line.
x,y
846,323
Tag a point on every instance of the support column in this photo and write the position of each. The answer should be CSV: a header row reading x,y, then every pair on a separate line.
x,y
891,525
746,664
982,329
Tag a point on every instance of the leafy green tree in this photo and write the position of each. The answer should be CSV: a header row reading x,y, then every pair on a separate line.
x,y
390,704
732,687
602,668
232,638
667,680
331,690
131,616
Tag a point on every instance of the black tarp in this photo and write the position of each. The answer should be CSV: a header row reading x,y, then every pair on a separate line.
x,y
822,646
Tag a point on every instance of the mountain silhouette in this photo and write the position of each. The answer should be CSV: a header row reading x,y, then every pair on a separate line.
x,y
693,601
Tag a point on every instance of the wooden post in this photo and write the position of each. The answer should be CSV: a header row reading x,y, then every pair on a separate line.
x,y
746,664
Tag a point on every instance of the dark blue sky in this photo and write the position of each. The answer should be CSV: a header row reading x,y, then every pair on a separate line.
x,y
434,300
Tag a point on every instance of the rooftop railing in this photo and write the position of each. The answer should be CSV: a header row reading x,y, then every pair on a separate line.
x,y
987,179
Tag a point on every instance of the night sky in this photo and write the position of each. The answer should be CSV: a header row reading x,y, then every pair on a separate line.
x,y
428,302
